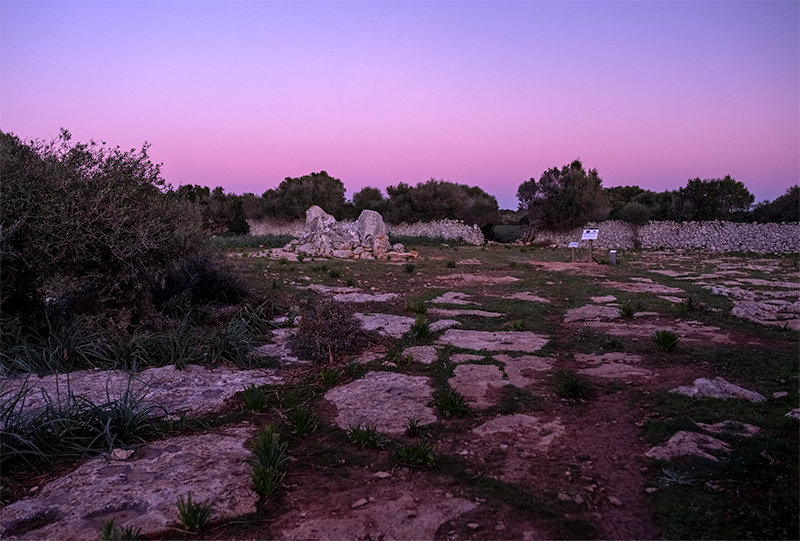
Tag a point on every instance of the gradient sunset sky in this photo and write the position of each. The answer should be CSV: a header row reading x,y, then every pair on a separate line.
x,y
243,94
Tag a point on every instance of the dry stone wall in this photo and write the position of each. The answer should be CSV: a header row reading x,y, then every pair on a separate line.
x,y
713,236
445,229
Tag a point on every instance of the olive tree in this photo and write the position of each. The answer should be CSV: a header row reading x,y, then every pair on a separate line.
x,y
563,199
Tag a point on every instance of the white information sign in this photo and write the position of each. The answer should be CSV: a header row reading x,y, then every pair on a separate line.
x,y
590,234
573,244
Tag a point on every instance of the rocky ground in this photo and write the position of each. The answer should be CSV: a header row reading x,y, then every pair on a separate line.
x,y
577,425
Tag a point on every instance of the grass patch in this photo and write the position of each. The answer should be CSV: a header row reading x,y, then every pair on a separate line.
x,y
193,515
366,436
451,403
419,454
570,385
665,340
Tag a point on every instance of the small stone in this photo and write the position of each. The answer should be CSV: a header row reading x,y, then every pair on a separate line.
x,y
359,503
650,490
564,497
448,495
473,525
411,513
500,527
780,394
121,454
578,499
614,501
382,474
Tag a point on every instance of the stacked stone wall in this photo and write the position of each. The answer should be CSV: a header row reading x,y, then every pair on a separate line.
x,y
713,236
445,229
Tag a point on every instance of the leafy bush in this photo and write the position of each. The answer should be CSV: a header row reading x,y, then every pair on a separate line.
x,y
328,331
666,340
269,459
124,231
254,398
303,422
419,454
367,436
451,403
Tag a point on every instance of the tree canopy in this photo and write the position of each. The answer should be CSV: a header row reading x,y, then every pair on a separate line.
x,y
294,196
563,198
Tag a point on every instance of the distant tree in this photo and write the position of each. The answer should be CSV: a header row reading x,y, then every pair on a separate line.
x,y
369,198
619,196
712,199
294,196
252,207
440,199
563,199
785,208
222,213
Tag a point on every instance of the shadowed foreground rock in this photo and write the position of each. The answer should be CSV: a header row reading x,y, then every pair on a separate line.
x,y
141,492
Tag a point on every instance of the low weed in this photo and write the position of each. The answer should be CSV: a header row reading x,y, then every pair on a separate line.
x,y
629,309
330,376
303,422
409,267
689,305
283,261
666,340
194,515
420,330
335,273
570,385
111,532
416,306
419,454
412,427
451,403
518,325
269,459
366,436
254,398
450,264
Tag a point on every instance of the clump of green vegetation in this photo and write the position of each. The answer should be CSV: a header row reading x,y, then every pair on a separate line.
x,y
689,305
570,385
412,426
111,532
254,398
283,261
629,309
666,340
451,403
330,376
518,325
420,330
418,454
415,305
303,422
366,436
194,515
334,273
450,264
409,267
269,459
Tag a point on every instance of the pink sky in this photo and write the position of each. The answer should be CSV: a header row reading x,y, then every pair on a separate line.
x,y
243,94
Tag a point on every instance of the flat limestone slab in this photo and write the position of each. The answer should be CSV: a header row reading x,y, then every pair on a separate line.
x,y
365,297
196,390
456,313
383,399
591,312
689,443
524,341
644,287
524,370
477,382
452,297
422,354
718,388
527,296
141,492
616,371
477,279
523,428
387,324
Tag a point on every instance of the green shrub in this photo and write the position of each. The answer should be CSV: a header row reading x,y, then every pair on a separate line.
x,y
451,403
269,459
330,376
450,264
254,398
366,436
409,267
420,330
666,340
570,385
303,422
419,454
112,532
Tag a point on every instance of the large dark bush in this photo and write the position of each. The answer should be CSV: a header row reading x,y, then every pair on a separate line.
x,y
86,217
439,199
293,196
563,198
785,208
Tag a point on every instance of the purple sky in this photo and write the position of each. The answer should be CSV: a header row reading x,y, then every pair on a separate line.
x,y
243,94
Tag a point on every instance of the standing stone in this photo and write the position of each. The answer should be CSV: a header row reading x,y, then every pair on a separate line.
x,y
372,233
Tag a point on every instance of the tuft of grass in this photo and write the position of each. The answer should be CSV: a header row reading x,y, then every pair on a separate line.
x,y
451,403
194,515
269,459
283,261
366,436
303,422
518,325
570,385
412,427
330,376
111,532
450,264
419,454
629,309
254,398
334,273
689,305
351,282
416,306
666,340
409,267
420,330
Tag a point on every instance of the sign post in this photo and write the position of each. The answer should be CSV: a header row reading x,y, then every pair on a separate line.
x,y
573,245
590,235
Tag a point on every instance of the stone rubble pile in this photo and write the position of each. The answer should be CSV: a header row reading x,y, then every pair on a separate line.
x,y
365,238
